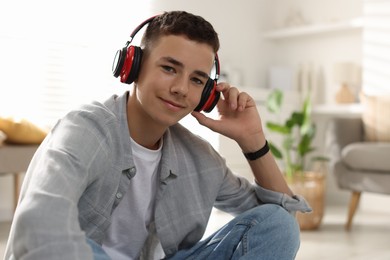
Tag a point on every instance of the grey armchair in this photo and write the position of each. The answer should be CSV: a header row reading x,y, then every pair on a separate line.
x,y
357,165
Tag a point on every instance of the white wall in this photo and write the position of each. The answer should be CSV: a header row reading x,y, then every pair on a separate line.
x,y
321,50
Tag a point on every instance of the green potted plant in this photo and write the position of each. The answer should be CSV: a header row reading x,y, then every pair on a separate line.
x,y
298,133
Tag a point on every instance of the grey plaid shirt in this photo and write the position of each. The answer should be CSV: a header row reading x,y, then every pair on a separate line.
x,y
82,170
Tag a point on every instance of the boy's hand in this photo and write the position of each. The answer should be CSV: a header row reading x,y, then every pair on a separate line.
x,y
238,118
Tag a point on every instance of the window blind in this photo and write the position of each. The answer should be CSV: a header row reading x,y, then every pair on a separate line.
x,y
376,47
57,55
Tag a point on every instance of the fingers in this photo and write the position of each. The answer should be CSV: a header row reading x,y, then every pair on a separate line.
x,y
204,120
237,100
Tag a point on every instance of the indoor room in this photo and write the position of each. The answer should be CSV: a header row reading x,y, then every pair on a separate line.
x,y
325,62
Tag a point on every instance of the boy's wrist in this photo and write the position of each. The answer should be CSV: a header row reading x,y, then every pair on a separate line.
x,y
252,144
259,153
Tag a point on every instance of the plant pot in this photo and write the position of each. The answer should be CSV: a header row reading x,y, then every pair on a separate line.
x,y
310,185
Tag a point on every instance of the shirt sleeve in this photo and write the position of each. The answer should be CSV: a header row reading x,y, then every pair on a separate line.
x,y
46,224
291,204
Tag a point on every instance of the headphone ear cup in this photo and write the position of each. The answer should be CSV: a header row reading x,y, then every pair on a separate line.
x,y
135,66
213,100
127,64
119,61
209,98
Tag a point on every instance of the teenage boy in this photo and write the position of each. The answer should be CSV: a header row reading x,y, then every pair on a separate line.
x,y
124,180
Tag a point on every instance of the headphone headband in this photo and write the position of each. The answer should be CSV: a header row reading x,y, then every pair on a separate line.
x,y
139,27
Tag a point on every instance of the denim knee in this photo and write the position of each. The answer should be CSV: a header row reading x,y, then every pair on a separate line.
x,y
283,225
264,232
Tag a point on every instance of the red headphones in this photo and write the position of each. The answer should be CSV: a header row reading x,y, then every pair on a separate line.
x,y
127,64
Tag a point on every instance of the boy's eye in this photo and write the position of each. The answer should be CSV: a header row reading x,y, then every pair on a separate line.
x,y
168,68
197,81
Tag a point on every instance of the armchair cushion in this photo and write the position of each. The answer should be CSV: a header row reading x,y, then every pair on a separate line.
x,y
367,156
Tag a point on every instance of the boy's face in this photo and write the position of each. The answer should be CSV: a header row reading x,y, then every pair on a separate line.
x,y
172,78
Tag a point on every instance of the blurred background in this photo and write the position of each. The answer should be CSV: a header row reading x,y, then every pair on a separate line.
x,y
56,55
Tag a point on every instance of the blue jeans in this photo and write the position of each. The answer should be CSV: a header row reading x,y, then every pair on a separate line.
x,y
97,250
265,232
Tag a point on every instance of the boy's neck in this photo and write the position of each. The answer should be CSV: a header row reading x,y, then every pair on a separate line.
x,y
145,132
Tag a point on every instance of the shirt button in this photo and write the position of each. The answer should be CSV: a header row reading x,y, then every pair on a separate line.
x,y
118,195
131,172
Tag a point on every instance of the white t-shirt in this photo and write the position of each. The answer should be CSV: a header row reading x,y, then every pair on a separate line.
x,y
129,229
